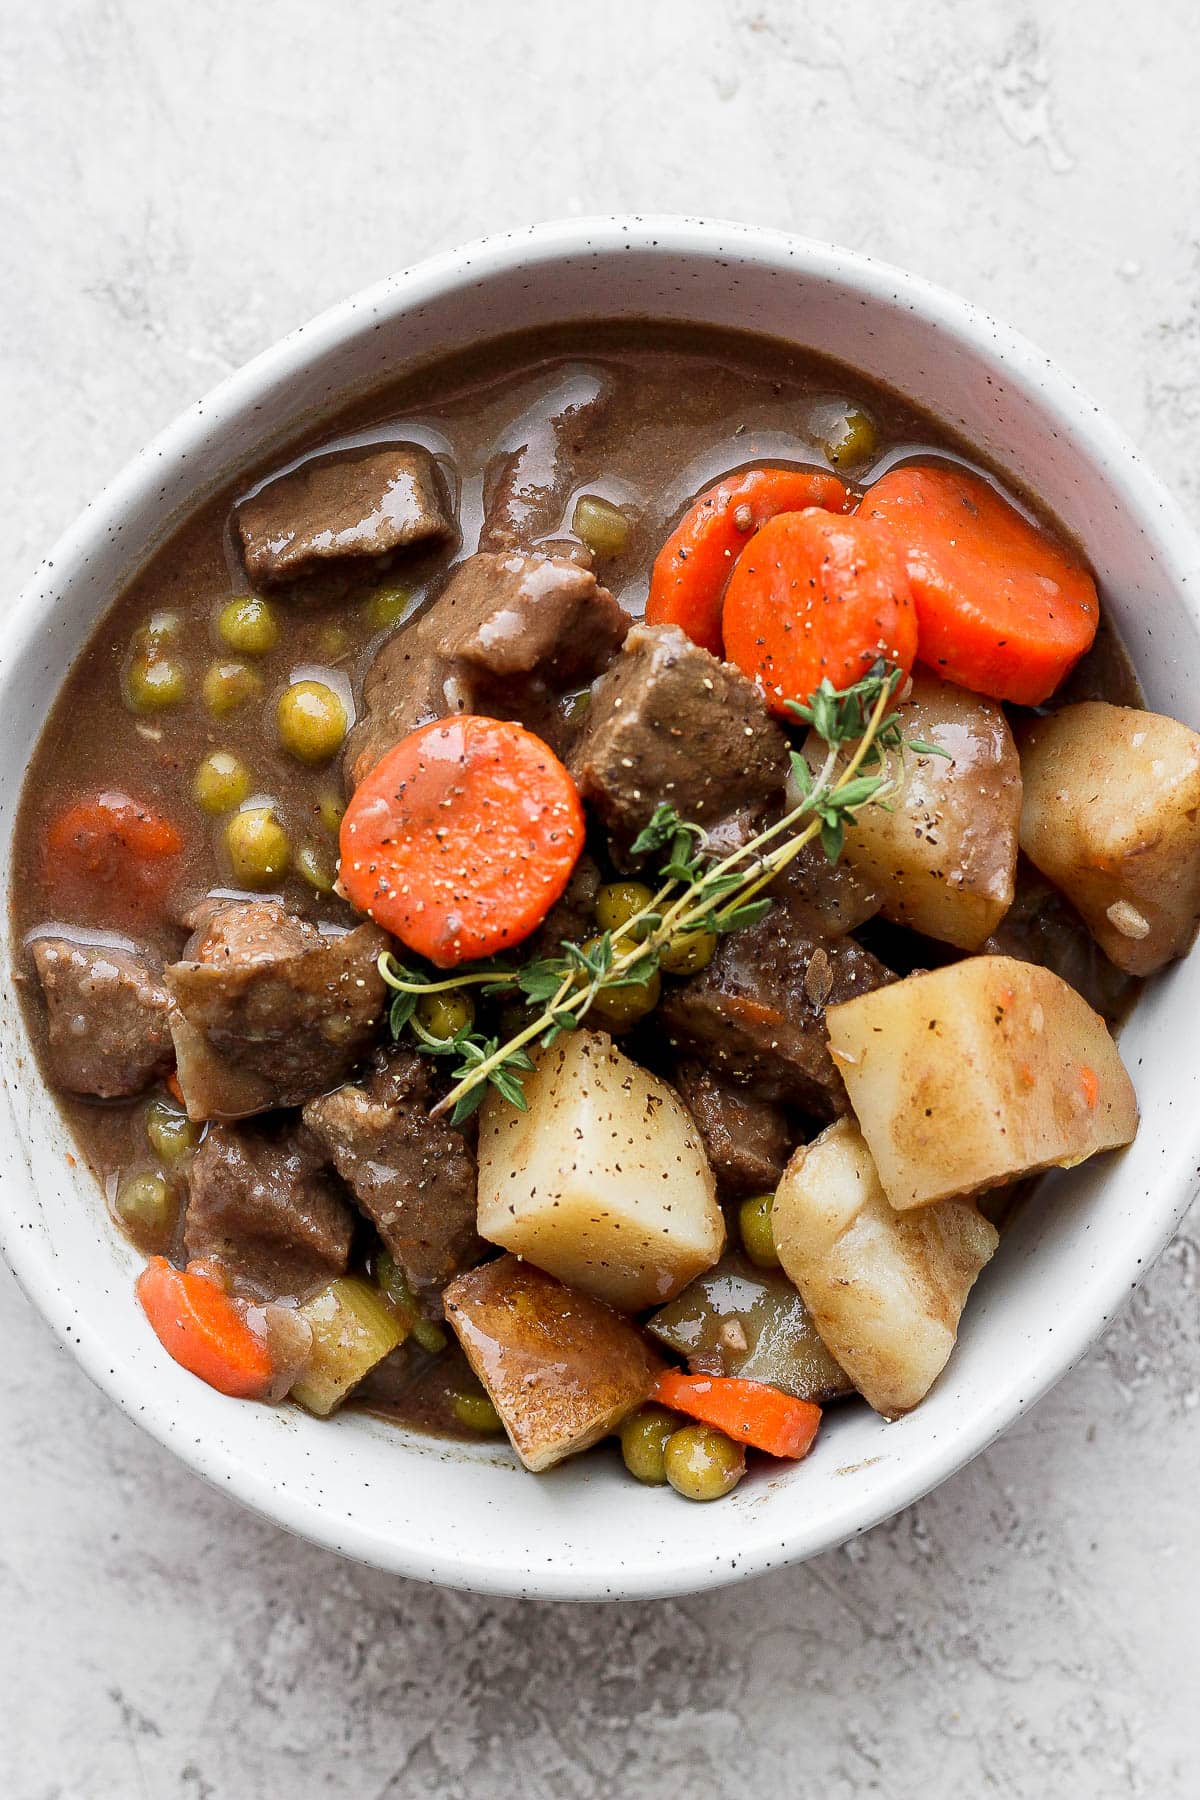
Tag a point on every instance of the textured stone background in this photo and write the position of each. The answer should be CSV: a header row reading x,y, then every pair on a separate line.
x,y
179,184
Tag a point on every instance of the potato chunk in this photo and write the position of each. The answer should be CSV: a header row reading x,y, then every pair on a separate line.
x,y
603,1182
561,1368
944,857
976,1074
1111,816
884,1289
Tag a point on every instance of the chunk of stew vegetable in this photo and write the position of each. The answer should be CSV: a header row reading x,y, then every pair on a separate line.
x,y
612,1126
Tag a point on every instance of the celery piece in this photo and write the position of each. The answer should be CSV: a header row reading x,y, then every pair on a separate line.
x,y
353,1328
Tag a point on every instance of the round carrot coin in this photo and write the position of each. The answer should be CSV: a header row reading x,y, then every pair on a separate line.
x,y
815,596
688,581
462,838
1001,608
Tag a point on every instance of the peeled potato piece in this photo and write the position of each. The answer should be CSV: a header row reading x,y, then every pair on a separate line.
x,y
1111,815
561,1369
603,1181
943,852
884,1289
977,1074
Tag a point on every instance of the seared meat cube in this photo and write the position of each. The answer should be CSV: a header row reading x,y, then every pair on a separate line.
x,y
270,1010
561,1368
756,1015
572,919
526,487
1041,926
263,1206
107,1015
828,899
413,1176
508,637
342,513
746,1139
669,722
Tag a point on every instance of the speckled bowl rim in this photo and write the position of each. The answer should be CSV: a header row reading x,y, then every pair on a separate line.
x,y
135,1386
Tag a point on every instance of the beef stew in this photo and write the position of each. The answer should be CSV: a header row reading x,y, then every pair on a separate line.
x,y
463,646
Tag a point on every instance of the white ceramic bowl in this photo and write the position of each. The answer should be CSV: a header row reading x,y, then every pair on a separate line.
x,y
472,1517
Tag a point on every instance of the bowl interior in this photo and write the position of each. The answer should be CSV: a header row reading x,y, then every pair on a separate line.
x,y
471,1517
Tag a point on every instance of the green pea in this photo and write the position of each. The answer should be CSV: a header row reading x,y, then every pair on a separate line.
x,y
444,1015
311,719
575,706
603,527
703,1464
476,1413
312,867
248,625
852,437
688,952
221,782
330,808
172,1134
333,641
257,847
158,631
387,606
145,1201
154,682
758,1237
621,1006
618,902
228,685
644,1436
430,1336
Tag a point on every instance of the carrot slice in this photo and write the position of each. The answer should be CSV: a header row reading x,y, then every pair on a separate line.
x,y
111,854
815,596
462,838
750,1412
197,1323
687,583
1001,608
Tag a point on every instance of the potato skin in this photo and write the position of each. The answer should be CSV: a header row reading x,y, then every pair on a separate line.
x,y
603,1181
1111,815
561,1369
884,1289
944,857
976,1074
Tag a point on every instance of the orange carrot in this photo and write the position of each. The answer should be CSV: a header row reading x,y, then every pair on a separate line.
x,y
462,838
197,1323
750,1412
687,583
815,596
174,1089
111,855
1001,608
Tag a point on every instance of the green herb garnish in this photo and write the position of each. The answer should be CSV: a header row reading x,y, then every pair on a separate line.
x,y
695,894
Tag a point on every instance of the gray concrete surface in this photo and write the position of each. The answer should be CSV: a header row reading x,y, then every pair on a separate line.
x,y
180,182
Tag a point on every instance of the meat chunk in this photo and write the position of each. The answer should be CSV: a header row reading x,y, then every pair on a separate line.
x,y
572,919
527,485
668,722
827,899
508,637
343,512
107,1018
747,1140
270,1011
1041,926
561,1368
413,1176
756,1015
262,1204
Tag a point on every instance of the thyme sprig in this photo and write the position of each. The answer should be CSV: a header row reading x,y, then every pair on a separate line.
x,y
696,893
